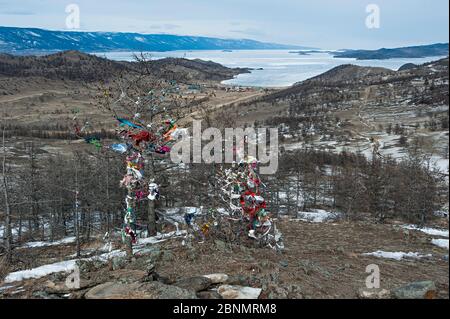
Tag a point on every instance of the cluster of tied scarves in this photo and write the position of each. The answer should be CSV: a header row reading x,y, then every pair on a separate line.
x,y
244,187
137,141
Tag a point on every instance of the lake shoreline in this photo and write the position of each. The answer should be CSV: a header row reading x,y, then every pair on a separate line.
x,y
272,69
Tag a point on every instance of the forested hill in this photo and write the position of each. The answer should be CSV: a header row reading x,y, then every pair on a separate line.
x,y
74,65
419,51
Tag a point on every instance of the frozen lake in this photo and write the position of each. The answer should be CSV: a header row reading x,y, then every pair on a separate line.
x,y
272,68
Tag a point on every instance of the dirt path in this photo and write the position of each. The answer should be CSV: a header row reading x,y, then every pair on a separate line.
x,y
216,107
19,97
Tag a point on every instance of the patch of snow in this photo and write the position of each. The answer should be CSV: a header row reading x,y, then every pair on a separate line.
x,y
176,214
18,291
86,252
160,237
35,244
440,163
69,265
317,216
140,39
223,211
428,230
63,266
397,255
443,243
34,34
6,287
107,256
441,213
14,230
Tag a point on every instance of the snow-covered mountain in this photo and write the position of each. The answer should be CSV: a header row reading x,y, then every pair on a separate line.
x,y
23,40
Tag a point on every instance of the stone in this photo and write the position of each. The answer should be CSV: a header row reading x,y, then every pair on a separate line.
x,y
118,263
238,292
113,290
194,283
167,256
246,250
266,264
163,279
86,266
150,268
238,280
416,290
61,288
127,275
217,278
151,290
154,255
277,292
374,293
59,276
158,290
295,291
274,277
209,294
220,245
44,295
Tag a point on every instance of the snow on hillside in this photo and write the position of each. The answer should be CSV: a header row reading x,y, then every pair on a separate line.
x,y
443,243
317,216
37,244
62,266
69,265
428,230
23,39
396,255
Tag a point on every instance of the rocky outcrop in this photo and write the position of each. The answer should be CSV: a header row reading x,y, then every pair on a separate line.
x,y
195,284
374,293
416,290
238,292
151,290
217,278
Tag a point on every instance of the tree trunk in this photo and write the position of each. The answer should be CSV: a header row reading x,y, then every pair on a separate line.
x,y
151,227
76,221
151,213
108,199
7,234
128,240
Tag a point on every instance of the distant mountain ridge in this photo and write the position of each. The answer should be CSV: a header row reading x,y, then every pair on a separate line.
x,y
32,40
420,51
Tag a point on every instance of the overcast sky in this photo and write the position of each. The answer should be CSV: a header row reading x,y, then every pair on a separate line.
x,y
328,24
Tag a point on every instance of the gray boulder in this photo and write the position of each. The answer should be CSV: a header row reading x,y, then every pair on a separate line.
x,y
209,294
118,262
374,293
416,290
150,290
194,283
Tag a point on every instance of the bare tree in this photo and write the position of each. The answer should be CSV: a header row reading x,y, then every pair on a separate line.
x,y
7,235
